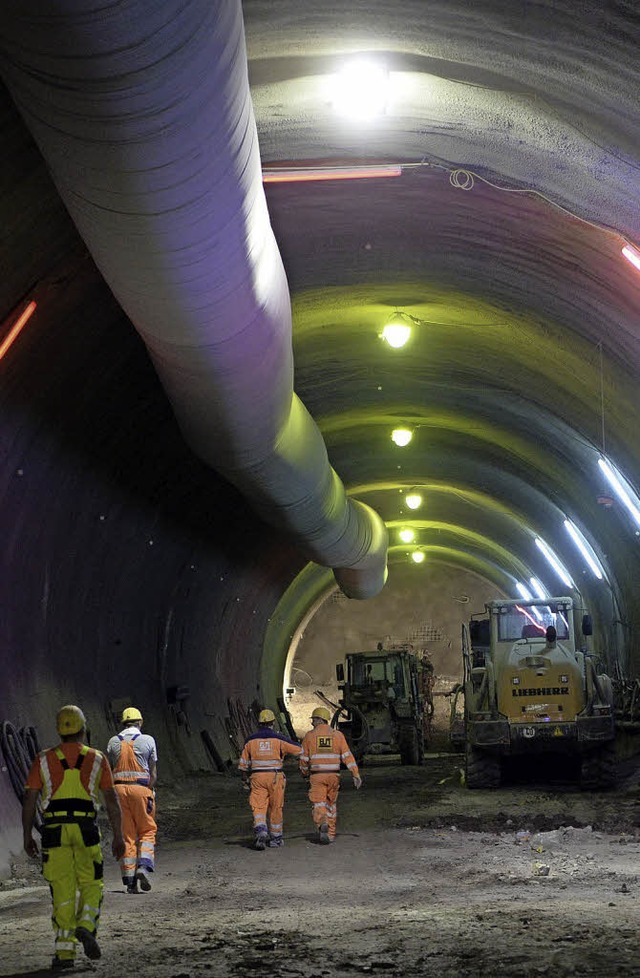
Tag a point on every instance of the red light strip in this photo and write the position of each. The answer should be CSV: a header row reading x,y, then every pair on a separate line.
x,y
17,328
307,174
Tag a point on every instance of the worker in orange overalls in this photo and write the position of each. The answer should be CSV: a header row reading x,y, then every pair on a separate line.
x,y
261,768
68,780
134,759
323,751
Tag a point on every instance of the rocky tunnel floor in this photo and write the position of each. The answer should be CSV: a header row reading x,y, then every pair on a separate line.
x,y
425,878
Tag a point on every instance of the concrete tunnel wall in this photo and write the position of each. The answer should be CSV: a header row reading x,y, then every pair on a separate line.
x,y
121,580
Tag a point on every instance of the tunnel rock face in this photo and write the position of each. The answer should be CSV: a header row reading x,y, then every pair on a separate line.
x,y
134,569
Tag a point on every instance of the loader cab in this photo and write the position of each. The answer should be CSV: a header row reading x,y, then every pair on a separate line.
x,y
373,675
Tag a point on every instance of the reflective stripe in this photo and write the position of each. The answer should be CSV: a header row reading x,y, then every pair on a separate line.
x,y
265,765
45,773
320,757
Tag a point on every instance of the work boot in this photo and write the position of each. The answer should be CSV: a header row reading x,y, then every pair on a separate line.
x,y
261,841
60,964
323,834
276,842
132,886
143,880
89,943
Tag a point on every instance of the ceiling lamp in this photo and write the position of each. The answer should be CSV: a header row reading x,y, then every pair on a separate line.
x,y
397,331
551,558
413,500
361,90
523,591
418,556
632,254
538,589
401,436
406,535
622,489
584,547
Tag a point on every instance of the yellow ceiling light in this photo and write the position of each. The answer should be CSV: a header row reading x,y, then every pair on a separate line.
x,y
397,331
396,334
401,436
413,500
418,556
406,535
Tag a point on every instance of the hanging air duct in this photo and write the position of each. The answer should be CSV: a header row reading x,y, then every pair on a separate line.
x,y
143,113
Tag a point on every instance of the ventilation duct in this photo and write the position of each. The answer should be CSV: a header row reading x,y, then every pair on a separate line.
x,y
143,113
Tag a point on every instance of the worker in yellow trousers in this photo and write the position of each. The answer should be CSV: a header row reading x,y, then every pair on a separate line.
x,y
323,751
134,759
68,779
261,768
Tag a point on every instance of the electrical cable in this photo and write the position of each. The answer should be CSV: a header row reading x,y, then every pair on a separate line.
x,y
19,748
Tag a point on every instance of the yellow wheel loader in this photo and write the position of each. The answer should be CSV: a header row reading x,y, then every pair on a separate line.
x,y
531,685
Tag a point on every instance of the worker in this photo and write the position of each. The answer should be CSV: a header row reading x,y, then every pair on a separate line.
x,y
260,765
323,751
134,759
68,780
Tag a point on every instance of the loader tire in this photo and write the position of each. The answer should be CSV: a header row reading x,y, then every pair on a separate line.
x,y
410,747
482,769
598,768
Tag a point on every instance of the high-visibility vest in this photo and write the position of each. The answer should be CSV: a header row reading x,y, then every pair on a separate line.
x,y
129,770
324,750
264,751
71,801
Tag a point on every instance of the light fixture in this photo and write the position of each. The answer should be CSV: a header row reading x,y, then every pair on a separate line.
x,y
632,254
584,547
396,334
17,328
306,174
560,570
523,591
622,489
406,535
401,436
418,556
360,89
413,500
537,587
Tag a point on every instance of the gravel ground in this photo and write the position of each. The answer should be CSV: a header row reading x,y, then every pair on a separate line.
x,y
425,878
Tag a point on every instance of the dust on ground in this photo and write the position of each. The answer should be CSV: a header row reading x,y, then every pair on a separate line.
x,y
425,878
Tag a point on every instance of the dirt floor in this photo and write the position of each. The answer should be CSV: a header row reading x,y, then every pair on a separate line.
x,y
425,878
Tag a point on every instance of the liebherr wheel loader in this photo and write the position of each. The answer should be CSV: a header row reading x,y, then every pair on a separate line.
x,y
532,686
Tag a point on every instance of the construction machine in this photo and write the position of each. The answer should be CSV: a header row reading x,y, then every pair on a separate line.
x,y
531,685
385,702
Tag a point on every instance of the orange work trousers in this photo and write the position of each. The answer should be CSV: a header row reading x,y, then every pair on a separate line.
x,y
139,828
266,799
323,795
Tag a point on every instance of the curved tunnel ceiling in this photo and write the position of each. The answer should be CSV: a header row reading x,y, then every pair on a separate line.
x,y
517,131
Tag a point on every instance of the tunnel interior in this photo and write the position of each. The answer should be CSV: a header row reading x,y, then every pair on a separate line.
x,y
136,570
